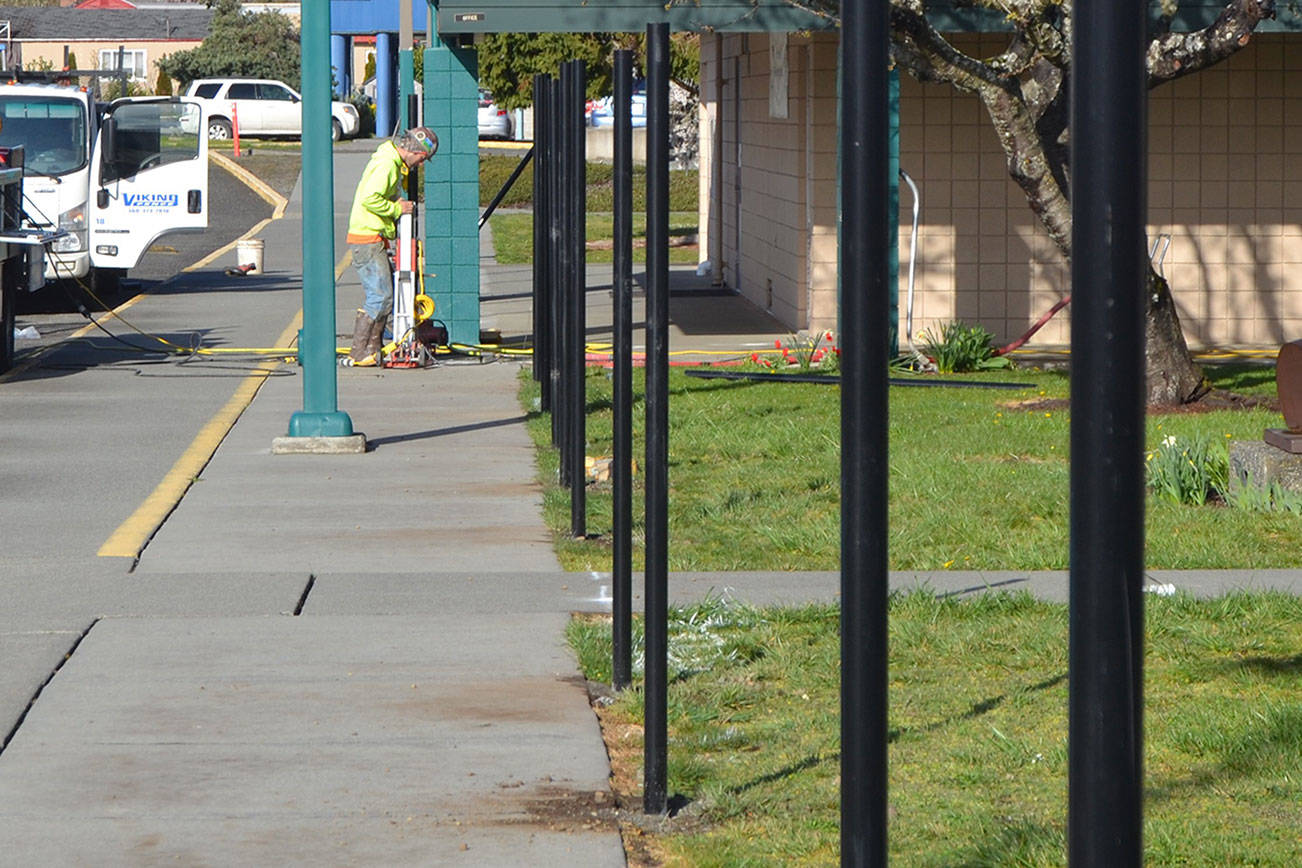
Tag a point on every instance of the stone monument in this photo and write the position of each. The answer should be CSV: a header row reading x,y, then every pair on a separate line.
x,y
1277,457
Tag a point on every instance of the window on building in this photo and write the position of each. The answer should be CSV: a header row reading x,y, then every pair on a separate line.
x,y
133,59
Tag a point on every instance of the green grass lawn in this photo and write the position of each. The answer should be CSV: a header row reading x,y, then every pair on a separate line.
x,y
978,691
978,730
979,479
494,170
513,237
513,233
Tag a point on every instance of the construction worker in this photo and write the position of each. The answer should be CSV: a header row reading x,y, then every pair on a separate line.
x,y
372,224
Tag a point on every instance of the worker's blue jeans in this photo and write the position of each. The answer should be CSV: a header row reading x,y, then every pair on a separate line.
x,y
376,271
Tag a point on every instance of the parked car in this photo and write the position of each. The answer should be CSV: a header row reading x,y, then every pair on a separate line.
x,y
601,112
263,108
494,121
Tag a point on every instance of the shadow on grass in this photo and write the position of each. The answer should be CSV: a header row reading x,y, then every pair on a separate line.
x,y
1257,750
785,772
1270,665
1011,842
976,710
893,735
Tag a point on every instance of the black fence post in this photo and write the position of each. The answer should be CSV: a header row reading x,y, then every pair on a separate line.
x,y
577,280
865,345
655,759
622,376
560,413
541,288
413,110
1109,274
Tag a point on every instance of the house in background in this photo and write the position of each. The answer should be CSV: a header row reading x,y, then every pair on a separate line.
x,y
33,36
1225,184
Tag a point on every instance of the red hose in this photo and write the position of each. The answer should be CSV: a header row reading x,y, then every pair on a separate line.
x,y
1039,324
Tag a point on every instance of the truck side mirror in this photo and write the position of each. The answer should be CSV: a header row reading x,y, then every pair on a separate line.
x,y
109,149
102,197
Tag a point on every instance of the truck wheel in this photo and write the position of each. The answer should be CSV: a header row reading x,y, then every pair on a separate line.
x,y
106,283
336,130
219,128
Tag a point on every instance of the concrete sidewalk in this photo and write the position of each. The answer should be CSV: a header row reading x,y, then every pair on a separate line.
x,y
347,659
352,659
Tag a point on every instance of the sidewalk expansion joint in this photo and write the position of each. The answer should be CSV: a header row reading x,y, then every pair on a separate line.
x,y
37,695
302,601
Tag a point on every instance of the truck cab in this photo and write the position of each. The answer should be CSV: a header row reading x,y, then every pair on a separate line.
x,y
112,178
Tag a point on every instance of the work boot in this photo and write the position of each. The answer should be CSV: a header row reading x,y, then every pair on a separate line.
x,y
358,354
375,339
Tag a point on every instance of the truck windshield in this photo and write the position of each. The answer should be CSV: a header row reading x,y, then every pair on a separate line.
x,y
52,130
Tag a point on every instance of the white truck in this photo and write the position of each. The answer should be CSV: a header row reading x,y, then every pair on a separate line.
x,y
113,178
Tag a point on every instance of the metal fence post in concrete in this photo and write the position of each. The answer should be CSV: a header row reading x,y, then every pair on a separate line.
x,y
621,475
865,347
655,755
1109,272
320,416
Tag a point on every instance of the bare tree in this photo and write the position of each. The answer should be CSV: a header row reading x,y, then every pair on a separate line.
x,y
1025,93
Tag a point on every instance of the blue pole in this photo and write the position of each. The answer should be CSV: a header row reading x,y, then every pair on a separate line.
x,y
386,96
320,416
339,63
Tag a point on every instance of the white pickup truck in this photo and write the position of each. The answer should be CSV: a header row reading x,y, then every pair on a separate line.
x,y
262,107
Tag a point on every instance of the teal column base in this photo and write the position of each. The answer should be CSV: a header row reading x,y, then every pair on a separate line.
x,y
305,424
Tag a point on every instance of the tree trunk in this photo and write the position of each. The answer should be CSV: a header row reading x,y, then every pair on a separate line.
x,y
1172,375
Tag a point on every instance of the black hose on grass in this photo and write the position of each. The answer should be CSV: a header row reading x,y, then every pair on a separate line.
x,y
825,379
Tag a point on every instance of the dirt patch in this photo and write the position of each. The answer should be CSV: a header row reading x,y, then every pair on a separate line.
x,y
638,243
1032,405
278,169
624,747
1214,401
562,809
1219,399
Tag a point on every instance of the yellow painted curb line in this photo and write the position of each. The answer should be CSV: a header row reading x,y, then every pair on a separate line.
x,y
131,537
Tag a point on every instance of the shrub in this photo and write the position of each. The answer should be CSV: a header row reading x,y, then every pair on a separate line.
x,y
1254,497
960,348
1188,470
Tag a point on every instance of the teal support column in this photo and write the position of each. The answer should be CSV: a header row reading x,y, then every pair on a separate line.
x,y
452,190
406,86
320,416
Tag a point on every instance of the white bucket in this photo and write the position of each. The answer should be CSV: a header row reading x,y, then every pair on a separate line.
x,y
248,251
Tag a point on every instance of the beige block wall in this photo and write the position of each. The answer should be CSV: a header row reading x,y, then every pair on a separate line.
x,y
87,52
1225,170
768,215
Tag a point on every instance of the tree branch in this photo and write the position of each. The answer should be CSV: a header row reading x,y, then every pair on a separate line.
x,y
1173,55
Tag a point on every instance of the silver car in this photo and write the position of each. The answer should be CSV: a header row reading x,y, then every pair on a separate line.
x,y
494,121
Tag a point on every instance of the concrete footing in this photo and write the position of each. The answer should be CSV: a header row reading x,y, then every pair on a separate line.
x,y
350,445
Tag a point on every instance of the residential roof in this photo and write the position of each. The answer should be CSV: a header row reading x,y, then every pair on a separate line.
x,y
69,24
104,4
